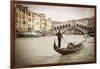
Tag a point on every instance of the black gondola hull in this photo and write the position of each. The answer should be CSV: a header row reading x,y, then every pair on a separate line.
x,y
65,51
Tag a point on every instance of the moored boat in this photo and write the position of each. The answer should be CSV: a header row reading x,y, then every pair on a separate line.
x,y
26,34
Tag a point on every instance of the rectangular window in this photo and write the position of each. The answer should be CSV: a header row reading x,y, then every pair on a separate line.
x,y
24,22
29,19
19,15
23,16
23,11
16,14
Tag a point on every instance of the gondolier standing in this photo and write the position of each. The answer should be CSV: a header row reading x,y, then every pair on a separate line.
x,y
59,36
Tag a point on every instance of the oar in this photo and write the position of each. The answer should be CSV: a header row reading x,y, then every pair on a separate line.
x,y
64,40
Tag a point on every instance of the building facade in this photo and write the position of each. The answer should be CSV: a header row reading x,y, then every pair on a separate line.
x,y
28,21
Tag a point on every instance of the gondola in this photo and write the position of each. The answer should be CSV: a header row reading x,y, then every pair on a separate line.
x,y
65,51
71,48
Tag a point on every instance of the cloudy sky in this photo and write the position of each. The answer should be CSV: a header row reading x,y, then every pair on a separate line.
x,y
59,13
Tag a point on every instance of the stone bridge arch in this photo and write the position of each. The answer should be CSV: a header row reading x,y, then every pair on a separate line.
x,y
78,27
75,30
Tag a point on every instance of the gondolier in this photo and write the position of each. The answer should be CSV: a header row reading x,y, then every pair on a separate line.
x,y
59,36
71,47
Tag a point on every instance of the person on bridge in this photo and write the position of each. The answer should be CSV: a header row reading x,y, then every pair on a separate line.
x,y
59,36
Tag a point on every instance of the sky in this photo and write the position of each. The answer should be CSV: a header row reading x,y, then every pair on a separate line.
x,y
59,13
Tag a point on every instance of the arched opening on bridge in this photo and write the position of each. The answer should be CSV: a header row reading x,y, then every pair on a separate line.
x,y
81,26
66,25
85,27
63,26
55,28
60,27
77,25
90,29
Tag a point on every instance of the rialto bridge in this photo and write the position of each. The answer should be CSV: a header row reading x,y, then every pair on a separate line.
x,y
74,28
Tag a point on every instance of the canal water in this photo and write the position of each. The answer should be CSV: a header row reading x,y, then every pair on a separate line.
x,y
39,50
